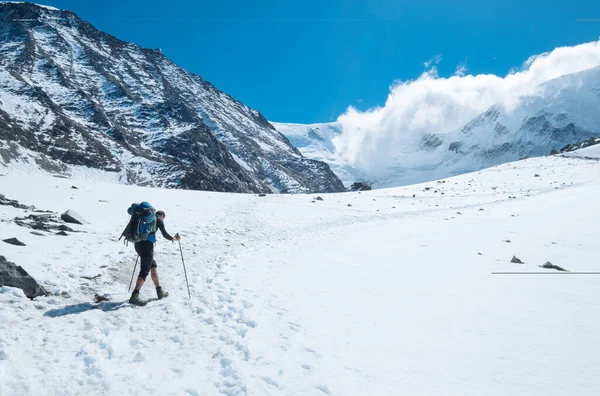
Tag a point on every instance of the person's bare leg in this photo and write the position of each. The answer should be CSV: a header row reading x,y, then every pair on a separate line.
x,y
154,275
139,283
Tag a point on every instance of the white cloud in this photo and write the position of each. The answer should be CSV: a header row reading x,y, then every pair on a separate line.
x,y
383,138
461,69
433,61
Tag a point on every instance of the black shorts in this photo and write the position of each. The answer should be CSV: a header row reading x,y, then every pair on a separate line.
x,y
145,249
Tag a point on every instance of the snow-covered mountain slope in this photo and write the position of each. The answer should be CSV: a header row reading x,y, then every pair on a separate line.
x,y
383,292
71,95
564,111
315,141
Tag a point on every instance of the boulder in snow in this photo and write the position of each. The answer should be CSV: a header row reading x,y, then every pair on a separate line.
x,y
14,241
516,260
549,265
15,276
70,216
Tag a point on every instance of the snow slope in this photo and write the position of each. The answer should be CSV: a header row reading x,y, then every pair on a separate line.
x,y
383,292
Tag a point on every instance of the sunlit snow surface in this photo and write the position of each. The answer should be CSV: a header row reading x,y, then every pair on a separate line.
x,y
387,292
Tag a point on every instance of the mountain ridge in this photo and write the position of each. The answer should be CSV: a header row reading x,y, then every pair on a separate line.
x,y
81,97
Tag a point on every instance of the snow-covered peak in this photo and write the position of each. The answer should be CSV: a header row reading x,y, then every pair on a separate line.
x,y
38,5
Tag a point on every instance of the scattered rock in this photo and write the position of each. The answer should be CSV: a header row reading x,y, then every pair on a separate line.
x,y
262,195
516,260
102,200
74,188
427,188
549,265
70,216
65,294
14,241
319,199
62,233
90,277
100,298
37,233
536,175
45,222
479,254
413,195
481,209
11,202
458,213
349,204
507,240
15,276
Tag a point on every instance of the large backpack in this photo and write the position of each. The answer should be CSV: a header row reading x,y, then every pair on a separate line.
x,y
141,224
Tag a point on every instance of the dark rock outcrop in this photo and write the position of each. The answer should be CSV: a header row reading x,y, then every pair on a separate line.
x,y
360,186
11,202
42,222
15,276
14,241
576,146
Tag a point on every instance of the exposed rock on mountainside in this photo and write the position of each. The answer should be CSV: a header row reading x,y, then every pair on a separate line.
x,y
72,95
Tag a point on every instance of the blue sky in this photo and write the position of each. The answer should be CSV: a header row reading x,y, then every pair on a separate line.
x,y
307,61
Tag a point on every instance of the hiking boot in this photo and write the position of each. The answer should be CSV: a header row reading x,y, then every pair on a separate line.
x,y
161,293
136,300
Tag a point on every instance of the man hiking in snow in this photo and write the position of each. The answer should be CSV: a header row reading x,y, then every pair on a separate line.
x,y
145,247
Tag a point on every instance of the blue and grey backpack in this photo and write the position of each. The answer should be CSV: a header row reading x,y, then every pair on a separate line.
x,y
141,223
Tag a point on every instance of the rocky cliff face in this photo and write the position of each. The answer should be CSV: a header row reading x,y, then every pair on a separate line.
x,y
71,95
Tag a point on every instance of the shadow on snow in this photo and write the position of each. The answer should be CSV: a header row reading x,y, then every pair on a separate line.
x,y
84,307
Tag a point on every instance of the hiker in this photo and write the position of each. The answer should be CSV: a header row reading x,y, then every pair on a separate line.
x,y
145,249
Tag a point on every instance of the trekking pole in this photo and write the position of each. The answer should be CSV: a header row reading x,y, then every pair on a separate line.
x,y
134,267
184,271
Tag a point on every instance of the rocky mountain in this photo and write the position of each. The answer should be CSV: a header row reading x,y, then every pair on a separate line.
x,y
72,96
